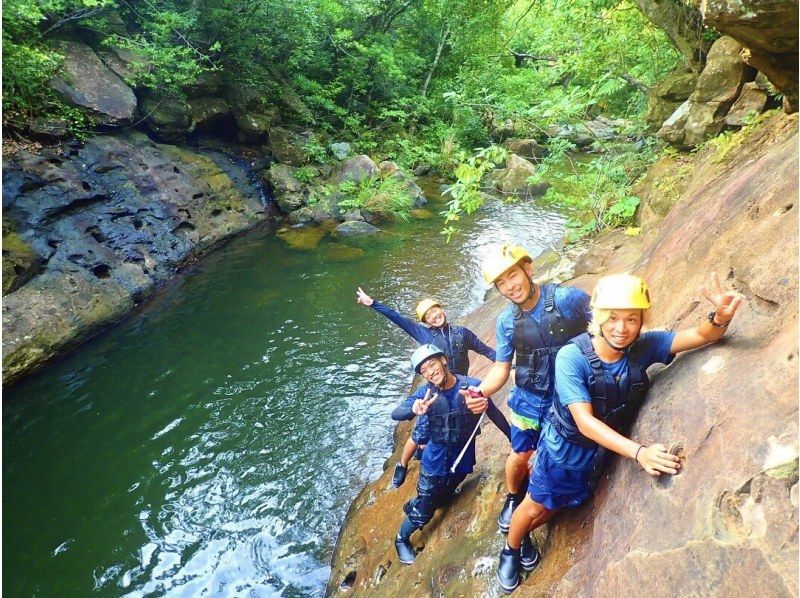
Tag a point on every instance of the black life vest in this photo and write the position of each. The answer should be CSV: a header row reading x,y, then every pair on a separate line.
x,y
450,339
609,404
451,426
536,345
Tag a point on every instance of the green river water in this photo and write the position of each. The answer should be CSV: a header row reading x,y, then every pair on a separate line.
x,y
210,444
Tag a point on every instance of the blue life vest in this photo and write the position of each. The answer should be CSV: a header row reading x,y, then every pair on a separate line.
x,y
609,403
450,339
451,426
536,345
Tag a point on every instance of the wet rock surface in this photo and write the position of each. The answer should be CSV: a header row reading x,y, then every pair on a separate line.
x,y
108,222
727,524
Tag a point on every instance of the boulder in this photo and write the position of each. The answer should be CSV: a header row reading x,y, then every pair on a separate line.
x,y
124,63
304,215
287,146
672,129
84,81
254,125
340,150
209,84
358,228
389,168
289,192
751,102
513,178
50,128
209,113
354,169
666,96
527,148
717,88
20,261
168,118
768,29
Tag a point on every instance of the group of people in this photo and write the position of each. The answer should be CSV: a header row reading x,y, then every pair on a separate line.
x,y
580,372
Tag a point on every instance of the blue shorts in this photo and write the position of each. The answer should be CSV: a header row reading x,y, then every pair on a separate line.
x,y
421,433
555,487
523,441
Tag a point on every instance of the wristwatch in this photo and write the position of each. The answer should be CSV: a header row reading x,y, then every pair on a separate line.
x,y
711,317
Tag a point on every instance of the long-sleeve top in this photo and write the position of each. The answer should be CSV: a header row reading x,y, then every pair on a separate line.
x,y
425,334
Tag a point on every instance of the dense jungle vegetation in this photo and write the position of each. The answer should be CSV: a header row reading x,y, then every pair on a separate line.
x,y
420,81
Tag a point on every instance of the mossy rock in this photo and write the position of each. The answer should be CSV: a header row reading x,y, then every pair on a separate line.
x,y
303,239
20,261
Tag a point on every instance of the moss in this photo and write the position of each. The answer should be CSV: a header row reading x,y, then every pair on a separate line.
x,y
786,471
20,261
303,239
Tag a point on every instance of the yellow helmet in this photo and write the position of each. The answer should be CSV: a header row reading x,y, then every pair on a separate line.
x,y
423,307
620,291
500,260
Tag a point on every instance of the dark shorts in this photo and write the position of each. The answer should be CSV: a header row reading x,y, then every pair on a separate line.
x,y
421,433
523,441
555,487
432,492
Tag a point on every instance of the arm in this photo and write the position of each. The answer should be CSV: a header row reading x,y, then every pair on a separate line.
x,y
409,326
477,345
403,411
725,304
499,420
654,458
495,378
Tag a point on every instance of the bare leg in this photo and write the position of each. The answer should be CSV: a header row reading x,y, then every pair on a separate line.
x,y
516,470
408,452
527,517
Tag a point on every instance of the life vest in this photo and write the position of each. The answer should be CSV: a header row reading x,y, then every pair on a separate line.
x,y
609,404
450,339
451,426
536,345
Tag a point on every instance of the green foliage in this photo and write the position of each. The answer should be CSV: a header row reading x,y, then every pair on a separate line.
x,y
385,196
466,191
306,174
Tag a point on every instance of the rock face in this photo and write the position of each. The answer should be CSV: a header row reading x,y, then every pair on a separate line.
x,y
287,146
717,88
768,28
84,81
355,169
513,179
666,96
288,190
168,118
208,114
107,224
727,524
750,103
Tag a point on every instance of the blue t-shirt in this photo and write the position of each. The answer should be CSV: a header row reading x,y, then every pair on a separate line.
x,y
572,386
572,303
437,459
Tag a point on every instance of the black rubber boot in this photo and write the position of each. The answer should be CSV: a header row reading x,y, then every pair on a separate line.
x,y
529,554
504,519
508,569
402,543
399,475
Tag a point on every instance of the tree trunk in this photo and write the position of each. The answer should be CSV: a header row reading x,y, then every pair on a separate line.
x,y
440,47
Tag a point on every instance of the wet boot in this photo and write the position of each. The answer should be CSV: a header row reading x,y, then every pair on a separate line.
x,y
529,554
512,502
405,551
508,569
399,475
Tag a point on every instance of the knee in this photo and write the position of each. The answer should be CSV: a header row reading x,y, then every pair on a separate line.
x,y
520,459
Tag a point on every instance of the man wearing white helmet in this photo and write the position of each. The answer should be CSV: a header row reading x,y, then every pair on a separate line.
x,y
431,327
453,421
601,381
541,319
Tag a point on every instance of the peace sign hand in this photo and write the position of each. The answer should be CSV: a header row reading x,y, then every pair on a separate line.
x,y
725,302
363,298
421,406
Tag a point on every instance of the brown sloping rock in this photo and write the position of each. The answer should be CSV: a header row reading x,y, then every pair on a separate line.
x,y
84,81
727,524
751,102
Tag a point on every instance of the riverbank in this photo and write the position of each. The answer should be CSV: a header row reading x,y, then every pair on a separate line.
x,y
733,508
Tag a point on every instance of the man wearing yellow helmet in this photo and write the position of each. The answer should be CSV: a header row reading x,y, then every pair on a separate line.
x,y
601,381
541,319
432,328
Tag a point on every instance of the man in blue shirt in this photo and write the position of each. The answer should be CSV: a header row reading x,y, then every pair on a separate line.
x,y
541,319
432,328
453,422
601,381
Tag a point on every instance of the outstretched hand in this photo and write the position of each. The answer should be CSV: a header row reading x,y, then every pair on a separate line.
x,y
363,298
421,406
476,403
725,302
655,459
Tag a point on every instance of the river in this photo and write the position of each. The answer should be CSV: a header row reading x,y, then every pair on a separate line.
x,y
211,443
